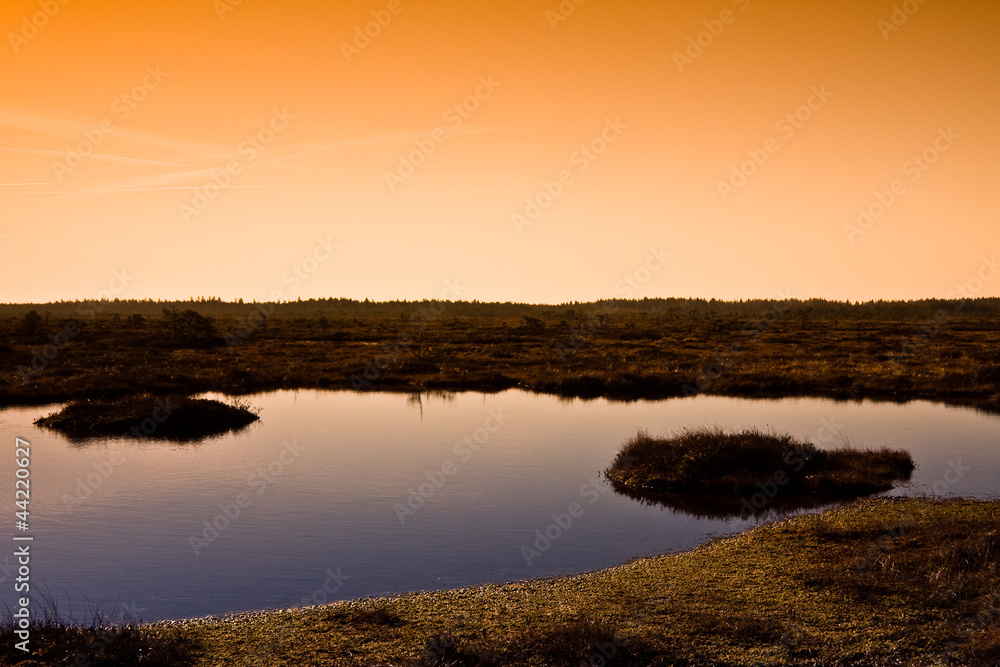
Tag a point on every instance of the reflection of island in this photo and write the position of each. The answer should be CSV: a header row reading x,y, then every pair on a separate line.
x,y
710,473
706,506
144,416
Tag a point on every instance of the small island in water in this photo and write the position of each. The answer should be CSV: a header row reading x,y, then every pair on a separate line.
x,y
169,417
710,472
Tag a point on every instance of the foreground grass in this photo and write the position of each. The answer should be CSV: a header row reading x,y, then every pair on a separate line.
x,y
713,464
147,416
880,582
55,644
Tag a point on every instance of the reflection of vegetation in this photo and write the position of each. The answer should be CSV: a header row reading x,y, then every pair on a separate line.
x,y
708,506
880,582
148,416
714,473
416,399
642,349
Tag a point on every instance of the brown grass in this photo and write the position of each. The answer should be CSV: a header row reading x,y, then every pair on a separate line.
x,y
144,415
714,462
629,356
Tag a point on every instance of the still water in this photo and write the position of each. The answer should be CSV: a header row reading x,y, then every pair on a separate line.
x,y
337,495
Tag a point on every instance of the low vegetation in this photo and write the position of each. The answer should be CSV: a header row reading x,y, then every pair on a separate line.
x,y
657,348
887,581
749,472
880,582
99,642
144,415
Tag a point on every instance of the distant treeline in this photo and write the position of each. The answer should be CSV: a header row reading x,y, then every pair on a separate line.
x,y
668,308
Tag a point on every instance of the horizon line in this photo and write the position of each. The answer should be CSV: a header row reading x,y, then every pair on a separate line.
x,y
241,302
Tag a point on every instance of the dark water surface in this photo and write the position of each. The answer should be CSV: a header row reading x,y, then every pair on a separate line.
x,y
338,495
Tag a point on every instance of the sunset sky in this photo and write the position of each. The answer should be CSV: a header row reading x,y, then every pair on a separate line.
x,y
223,147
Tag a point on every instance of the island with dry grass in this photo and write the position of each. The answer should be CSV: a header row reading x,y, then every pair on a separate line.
x,y
145,416
711,472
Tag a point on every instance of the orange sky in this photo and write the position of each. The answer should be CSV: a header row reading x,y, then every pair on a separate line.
x,y
167,96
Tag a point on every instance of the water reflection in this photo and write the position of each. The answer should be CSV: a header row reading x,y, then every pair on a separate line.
x,y
317,483
707,506
417,398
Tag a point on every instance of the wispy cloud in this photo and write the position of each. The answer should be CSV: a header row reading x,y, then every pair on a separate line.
x,y
174,162
96,156
73,128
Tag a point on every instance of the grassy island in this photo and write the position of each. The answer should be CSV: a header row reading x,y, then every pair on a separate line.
x,y
749,470
147,416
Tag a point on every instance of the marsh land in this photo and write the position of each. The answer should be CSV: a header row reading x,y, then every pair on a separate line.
x,y
877,582
936,350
